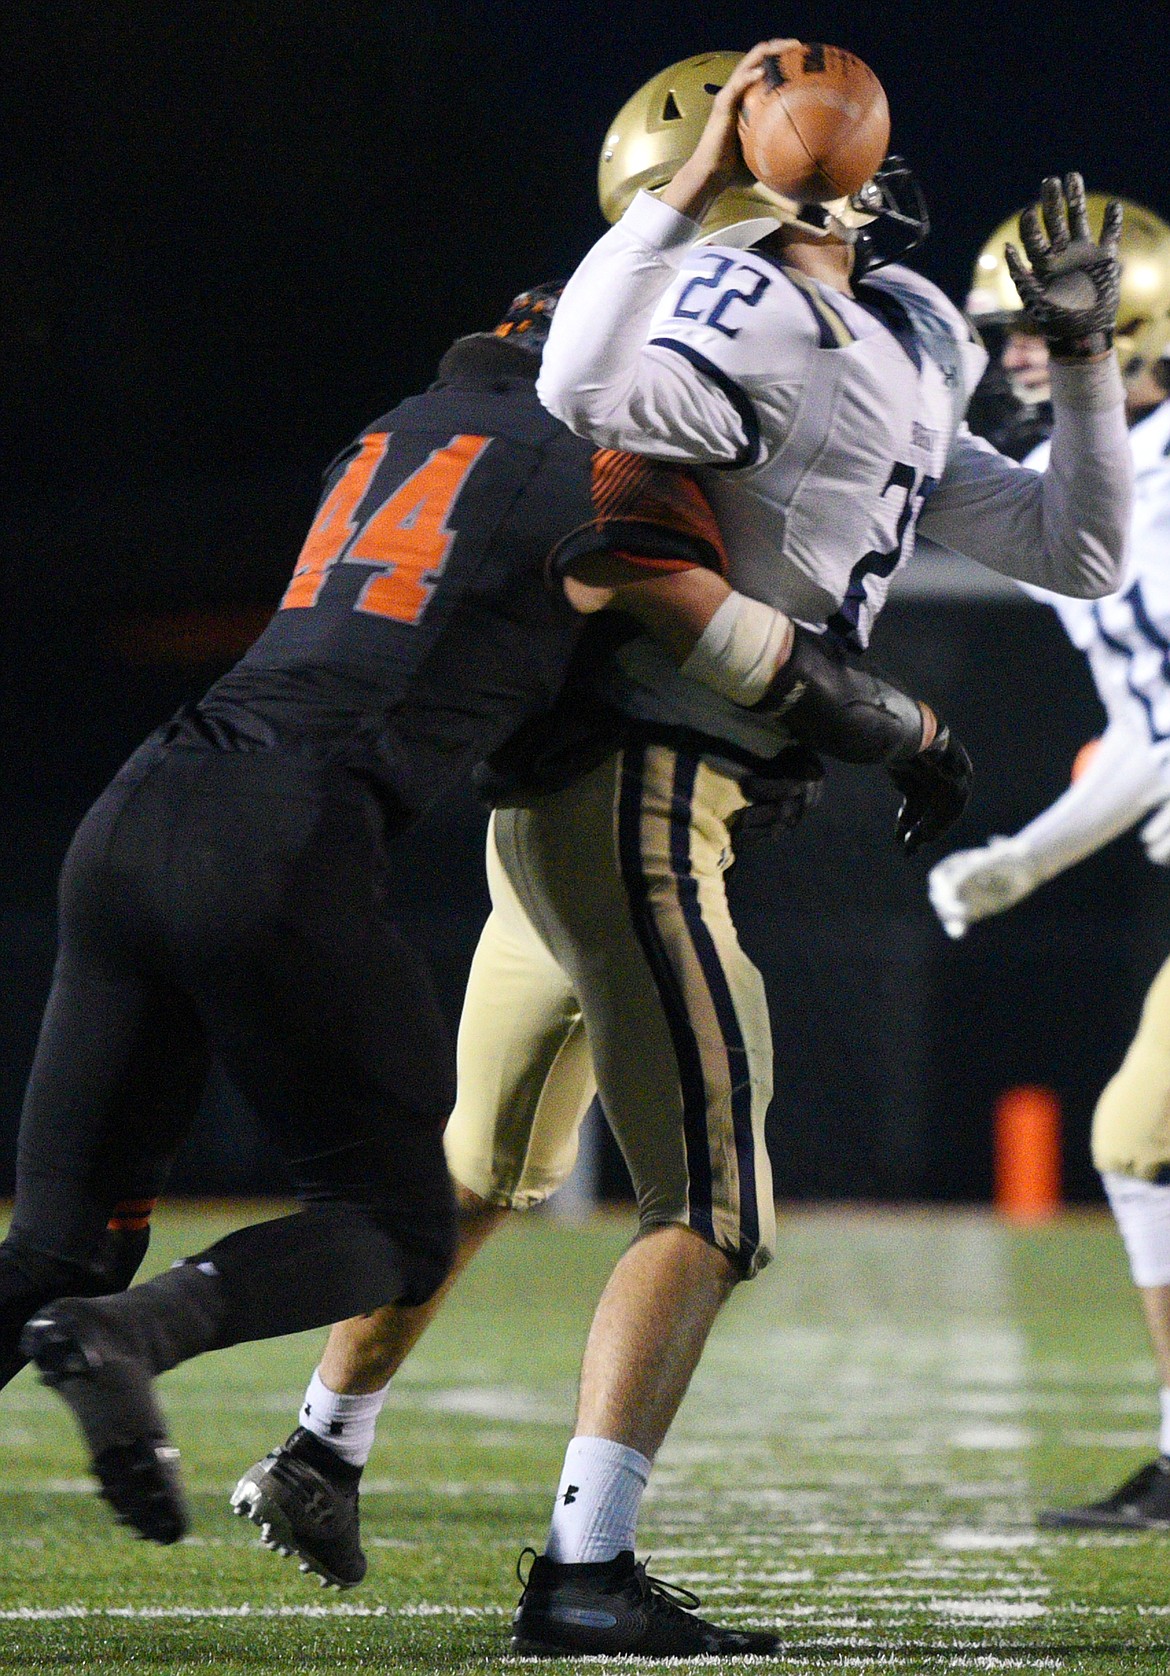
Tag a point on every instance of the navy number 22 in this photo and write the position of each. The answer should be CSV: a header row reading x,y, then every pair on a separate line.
x,y
709,312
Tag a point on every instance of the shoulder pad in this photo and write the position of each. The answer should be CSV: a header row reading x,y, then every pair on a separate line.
x,y
905,282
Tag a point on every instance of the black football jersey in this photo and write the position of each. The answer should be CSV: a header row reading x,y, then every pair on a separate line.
x,y
423,623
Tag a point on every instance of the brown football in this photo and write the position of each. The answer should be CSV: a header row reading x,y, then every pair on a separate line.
x,y
817,125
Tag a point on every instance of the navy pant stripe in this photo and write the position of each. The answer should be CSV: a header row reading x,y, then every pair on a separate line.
x,y
686,1047
707,954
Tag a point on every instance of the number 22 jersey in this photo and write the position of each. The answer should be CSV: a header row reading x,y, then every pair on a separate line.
x,y
828,428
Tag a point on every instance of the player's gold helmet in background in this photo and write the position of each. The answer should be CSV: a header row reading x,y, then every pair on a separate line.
x,y
1150,345
1145,269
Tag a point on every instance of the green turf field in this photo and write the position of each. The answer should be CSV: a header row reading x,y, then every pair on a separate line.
x,y
873,1426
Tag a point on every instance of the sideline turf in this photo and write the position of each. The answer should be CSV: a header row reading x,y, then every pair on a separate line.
x,y
874,1424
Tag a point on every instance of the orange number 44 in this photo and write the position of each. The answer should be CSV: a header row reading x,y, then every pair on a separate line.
x,y
407,537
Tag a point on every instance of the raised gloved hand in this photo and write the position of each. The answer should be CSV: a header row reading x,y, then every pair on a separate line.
x,y
1071,292
1155,835
935,787
973,884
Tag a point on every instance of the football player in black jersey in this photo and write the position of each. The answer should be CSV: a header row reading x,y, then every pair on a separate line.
x,y
225,894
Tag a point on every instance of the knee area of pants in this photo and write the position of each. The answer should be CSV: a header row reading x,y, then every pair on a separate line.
x,y
425,1273
426,1251
1134,1163
741,1262
30,1278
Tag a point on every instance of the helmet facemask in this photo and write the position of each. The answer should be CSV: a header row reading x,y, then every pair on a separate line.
x,y
898,217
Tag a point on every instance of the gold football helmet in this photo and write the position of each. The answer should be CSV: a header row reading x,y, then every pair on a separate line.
x,y
659,127
1145,269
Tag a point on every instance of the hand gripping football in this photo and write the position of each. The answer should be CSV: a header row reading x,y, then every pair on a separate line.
x,y
817,125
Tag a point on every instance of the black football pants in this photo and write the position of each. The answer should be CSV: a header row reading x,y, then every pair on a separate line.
x,y
231,901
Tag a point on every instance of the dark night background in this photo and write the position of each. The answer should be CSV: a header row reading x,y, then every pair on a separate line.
x,y
234,233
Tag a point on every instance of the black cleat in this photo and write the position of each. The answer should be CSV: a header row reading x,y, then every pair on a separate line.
x,y
1142,1503
300,1496
94,1364
614,1607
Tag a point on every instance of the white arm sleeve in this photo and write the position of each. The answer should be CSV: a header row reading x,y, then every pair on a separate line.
x,y
1063,529
1122,781
601,376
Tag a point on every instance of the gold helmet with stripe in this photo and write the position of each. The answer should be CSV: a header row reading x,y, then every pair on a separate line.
x,y
1145,270
658,128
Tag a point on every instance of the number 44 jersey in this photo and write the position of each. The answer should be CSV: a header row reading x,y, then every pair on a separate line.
x,y
420,627
829,426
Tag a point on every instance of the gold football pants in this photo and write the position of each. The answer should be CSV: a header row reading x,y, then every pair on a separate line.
x,y
1131,1125
610,961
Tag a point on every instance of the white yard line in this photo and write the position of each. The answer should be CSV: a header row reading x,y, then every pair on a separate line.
x,y
425,1609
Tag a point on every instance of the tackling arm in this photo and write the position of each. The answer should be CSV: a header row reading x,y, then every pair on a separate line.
x,y
655,554
827,704
752,654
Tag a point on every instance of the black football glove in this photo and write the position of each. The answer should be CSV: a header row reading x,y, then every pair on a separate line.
x,y
830,706
935,787
781,796
1072,290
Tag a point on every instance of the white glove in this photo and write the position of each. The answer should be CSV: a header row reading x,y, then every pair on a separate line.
x,y
1155,835
971,884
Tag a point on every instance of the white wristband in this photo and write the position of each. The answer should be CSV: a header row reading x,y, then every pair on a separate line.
x,y
738,652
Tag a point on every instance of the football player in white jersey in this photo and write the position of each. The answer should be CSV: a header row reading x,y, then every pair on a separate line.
x,y
1126,639
826,416
829,407
836,416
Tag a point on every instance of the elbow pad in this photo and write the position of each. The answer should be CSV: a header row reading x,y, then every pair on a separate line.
x,y
832,707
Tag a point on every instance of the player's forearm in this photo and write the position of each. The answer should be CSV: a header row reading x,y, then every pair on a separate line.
x,y
1119,785
1064,529
756,657
675,610
691,192
1088,487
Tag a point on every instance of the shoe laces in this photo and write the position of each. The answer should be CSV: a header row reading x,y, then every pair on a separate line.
x,y
655,1589
669,1594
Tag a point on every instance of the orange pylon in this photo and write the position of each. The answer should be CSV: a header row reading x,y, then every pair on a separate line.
x,y
1027,1154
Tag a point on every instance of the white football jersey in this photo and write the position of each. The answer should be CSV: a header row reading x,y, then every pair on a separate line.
x,y
827,429
1126,636
845,436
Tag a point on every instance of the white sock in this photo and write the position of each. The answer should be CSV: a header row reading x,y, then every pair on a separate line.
x,y
346,1424
1164,1432
1142,1209
596,1510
